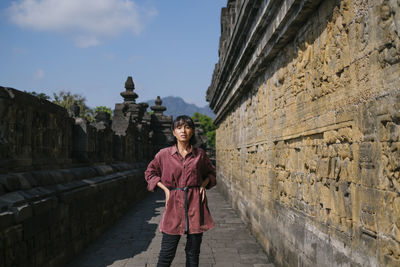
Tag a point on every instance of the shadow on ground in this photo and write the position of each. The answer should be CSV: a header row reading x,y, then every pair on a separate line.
x,y
129,237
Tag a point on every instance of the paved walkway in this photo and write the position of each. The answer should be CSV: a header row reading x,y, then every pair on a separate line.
x,y
134,241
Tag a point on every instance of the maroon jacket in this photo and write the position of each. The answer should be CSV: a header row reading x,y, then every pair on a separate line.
x,y
174,171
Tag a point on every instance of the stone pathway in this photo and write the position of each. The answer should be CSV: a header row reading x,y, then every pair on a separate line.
x,y
134,241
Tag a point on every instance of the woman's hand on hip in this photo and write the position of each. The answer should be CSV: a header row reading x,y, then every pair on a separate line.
x,y
167,194
203,189
166,191
203,193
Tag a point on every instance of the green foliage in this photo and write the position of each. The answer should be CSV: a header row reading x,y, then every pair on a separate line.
x,y
208,126
103,109
39,95
211,138
67,99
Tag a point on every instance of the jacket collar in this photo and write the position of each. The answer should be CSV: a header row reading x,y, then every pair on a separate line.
x,y
174,149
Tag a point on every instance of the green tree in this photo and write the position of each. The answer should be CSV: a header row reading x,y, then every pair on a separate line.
x,y
66,99
103,109
208,127
39,95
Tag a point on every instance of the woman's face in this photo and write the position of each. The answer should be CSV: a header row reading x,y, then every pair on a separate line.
x,y
183,133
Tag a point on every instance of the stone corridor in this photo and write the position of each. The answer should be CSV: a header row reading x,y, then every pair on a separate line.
x,y
134,240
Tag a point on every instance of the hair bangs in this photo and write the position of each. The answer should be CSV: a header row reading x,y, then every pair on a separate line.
x,y
182,120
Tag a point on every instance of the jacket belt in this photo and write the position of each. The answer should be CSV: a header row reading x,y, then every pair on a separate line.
x,y
185,189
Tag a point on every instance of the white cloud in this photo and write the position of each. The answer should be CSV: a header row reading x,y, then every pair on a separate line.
x,y
87,21
39,75
86,41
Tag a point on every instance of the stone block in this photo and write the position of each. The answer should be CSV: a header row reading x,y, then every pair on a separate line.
x,y
323,167
36,193
44,205
36,224
21,251
334,168
25,180
13,235
10,257
344,174
30,245
60,176
365,152
23,212
44,178
103,170
369,175
68,197
10,182
11,199
6,219
83,173
40,257
42,239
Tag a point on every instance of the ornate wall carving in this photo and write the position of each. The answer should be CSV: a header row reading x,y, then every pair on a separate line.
x,y
307,98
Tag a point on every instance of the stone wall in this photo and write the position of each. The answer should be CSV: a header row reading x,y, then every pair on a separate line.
x,y
307,97
50,216
64,180
33,132
37,134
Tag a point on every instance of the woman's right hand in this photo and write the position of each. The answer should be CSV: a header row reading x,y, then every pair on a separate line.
x,y
166,191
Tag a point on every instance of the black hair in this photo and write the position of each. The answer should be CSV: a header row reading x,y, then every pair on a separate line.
x,y
182,120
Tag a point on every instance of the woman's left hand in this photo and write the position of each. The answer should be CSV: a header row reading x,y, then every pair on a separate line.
x,y
203,189
202,193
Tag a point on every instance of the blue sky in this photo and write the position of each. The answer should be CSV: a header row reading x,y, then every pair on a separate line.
x,y
90,47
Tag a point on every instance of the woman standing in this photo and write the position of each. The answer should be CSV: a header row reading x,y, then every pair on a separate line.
x,y
184,173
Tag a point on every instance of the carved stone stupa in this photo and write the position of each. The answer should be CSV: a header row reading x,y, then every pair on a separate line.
x,y
129,95
158,109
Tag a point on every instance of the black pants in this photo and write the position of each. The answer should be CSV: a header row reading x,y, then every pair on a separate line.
x,y
169,244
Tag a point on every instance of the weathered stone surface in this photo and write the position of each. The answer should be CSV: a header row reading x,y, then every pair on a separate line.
x,y
23,212
44,222
160,126
36,134
6,219
307,103
29,129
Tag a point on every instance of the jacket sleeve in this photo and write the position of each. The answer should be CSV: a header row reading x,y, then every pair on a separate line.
x,y
210,171
153,173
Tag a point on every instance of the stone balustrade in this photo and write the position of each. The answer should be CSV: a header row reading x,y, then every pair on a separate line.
x,y
50,216
37,134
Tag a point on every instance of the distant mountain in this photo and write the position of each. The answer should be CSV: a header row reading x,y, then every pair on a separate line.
x,y
177,106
